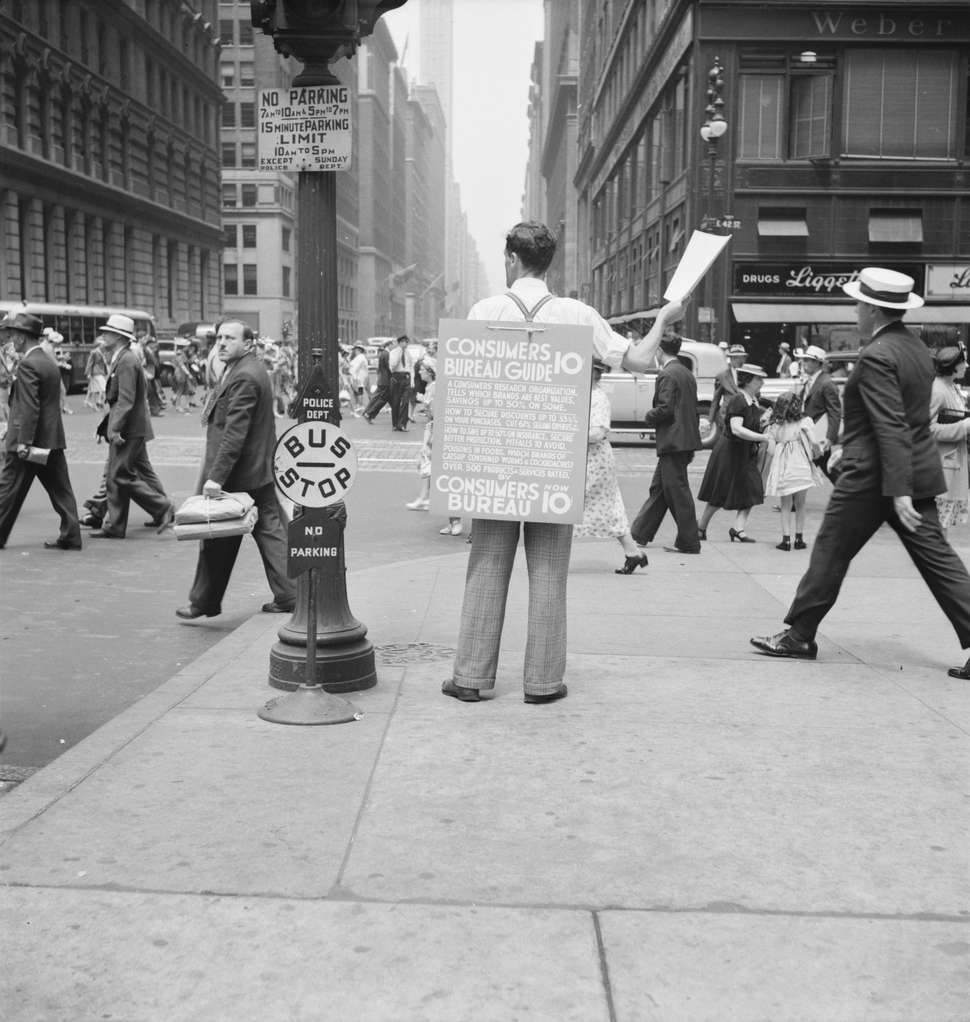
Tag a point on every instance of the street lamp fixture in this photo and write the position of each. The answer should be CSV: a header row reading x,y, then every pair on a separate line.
x,y
712,130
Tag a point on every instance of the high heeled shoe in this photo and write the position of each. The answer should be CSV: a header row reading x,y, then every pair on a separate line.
x,y
785,544
738,534
630,564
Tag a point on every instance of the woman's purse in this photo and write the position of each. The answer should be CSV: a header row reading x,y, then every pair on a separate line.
x,y
229,514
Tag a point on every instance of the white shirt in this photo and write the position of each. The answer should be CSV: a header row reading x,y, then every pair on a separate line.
x,y
398,361
607,344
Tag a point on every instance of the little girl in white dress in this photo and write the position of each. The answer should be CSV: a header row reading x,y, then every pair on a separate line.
x,y
792,471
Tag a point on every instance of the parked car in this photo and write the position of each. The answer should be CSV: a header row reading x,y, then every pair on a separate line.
x,y
167,349
631,394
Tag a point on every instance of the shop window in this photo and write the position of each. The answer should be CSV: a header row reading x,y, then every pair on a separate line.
x,y
900,104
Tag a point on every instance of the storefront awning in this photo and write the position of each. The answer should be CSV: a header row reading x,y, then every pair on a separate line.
x,y
896,227
801,312
777,227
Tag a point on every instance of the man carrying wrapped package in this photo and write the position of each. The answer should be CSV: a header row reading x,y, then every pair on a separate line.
x,y
239,443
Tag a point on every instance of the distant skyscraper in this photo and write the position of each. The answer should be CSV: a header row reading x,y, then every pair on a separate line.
x,y
437,43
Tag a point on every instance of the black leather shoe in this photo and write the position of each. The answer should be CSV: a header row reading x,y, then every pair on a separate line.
x,y
548,697
786,645
190,612
61,544
963,673
90,521
459,692
104,534
680,550
277,608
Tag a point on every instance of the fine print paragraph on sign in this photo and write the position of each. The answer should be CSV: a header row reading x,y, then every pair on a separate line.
x,y
305,128
511,421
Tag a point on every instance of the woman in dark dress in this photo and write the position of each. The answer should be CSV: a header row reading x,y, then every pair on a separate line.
x,y
733,479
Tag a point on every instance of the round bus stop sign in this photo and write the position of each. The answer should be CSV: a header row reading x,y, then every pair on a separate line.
x,y
314,464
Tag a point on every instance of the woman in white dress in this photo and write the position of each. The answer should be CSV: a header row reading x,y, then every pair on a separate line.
x,y
950,427
604,515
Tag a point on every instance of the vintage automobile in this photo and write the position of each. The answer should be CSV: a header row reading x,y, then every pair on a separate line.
x,y
631,394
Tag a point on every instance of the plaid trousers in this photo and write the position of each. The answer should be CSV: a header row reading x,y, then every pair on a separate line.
x,y
494,544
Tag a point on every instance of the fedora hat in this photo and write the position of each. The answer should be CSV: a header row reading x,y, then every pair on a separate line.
x,y
885,288
119,324
815,352
751,369
24,322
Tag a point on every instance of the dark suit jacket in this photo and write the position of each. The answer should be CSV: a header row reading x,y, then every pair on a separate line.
x,y
674,412
126,394
35,404
823,399
384,368
887,445
725,387
241,434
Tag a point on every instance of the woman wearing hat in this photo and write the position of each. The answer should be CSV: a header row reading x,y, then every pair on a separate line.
x,y
732,479
359,377
950,427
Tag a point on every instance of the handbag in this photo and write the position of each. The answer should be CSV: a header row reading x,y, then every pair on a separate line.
x,y
228,514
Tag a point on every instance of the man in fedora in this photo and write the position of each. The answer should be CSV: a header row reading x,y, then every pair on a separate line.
x,y
890,472
820,396
726,383
127,427
34,427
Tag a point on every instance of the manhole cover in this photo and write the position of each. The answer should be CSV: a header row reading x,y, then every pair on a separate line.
x,y
409,652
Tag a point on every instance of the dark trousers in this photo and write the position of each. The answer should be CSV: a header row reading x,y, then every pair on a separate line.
x,y
16,475
380,398
850,521
218,556
130,477
669,491
400,399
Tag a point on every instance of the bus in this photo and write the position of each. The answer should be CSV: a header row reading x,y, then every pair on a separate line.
x,y
79,326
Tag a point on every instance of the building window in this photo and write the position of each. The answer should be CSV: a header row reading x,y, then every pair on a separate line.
x,y
227,73
286,282
228,115
229,236
249,195
230,279
228,154
249,235
228,196
245,33
811,103
249,279
900,104
246,75
247,115
285,243
761,117
247,154
227,31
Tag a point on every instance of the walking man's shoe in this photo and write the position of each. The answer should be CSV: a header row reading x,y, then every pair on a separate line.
x,y
61,544
963,673
465,695
105,534
548,697
784,644
277,608
191,612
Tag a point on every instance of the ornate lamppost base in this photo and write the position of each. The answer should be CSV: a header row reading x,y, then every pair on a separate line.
x,y
347,668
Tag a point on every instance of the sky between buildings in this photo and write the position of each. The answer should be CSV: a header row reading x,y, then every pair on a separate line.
x,y
494,45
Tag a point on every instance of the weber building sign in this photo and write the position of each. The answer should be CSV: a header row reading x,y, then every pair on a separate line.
x,y
307,128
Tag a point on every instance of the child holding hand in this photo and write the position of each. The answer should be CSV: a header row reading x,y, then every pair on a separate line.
x,y
791,469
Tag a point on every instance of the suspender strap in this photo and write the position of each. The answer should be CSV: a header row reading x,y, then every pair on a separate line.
x,y
529,316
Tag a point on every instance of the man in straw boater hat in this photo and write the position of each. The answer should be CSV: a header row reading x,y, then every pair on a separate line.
x,y
890,472
129,475
34,443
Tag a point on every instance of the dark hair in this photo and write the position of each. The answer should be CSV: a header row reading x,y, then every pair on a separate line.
x,y
533,243
745,378
947,359
248,334
403,337
671,345
787,407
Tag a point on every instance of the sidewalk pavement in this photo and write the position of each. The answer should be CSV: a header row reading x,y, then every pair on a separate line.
x,y
696,833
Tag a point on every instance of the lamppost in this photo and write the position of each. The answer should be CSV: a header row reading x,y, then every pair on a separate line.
x,y
711,131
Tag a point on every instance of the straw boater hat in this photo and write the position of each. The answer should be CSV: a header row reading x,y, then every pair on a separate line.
x,y
885,288
751,369
119,324
813,351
